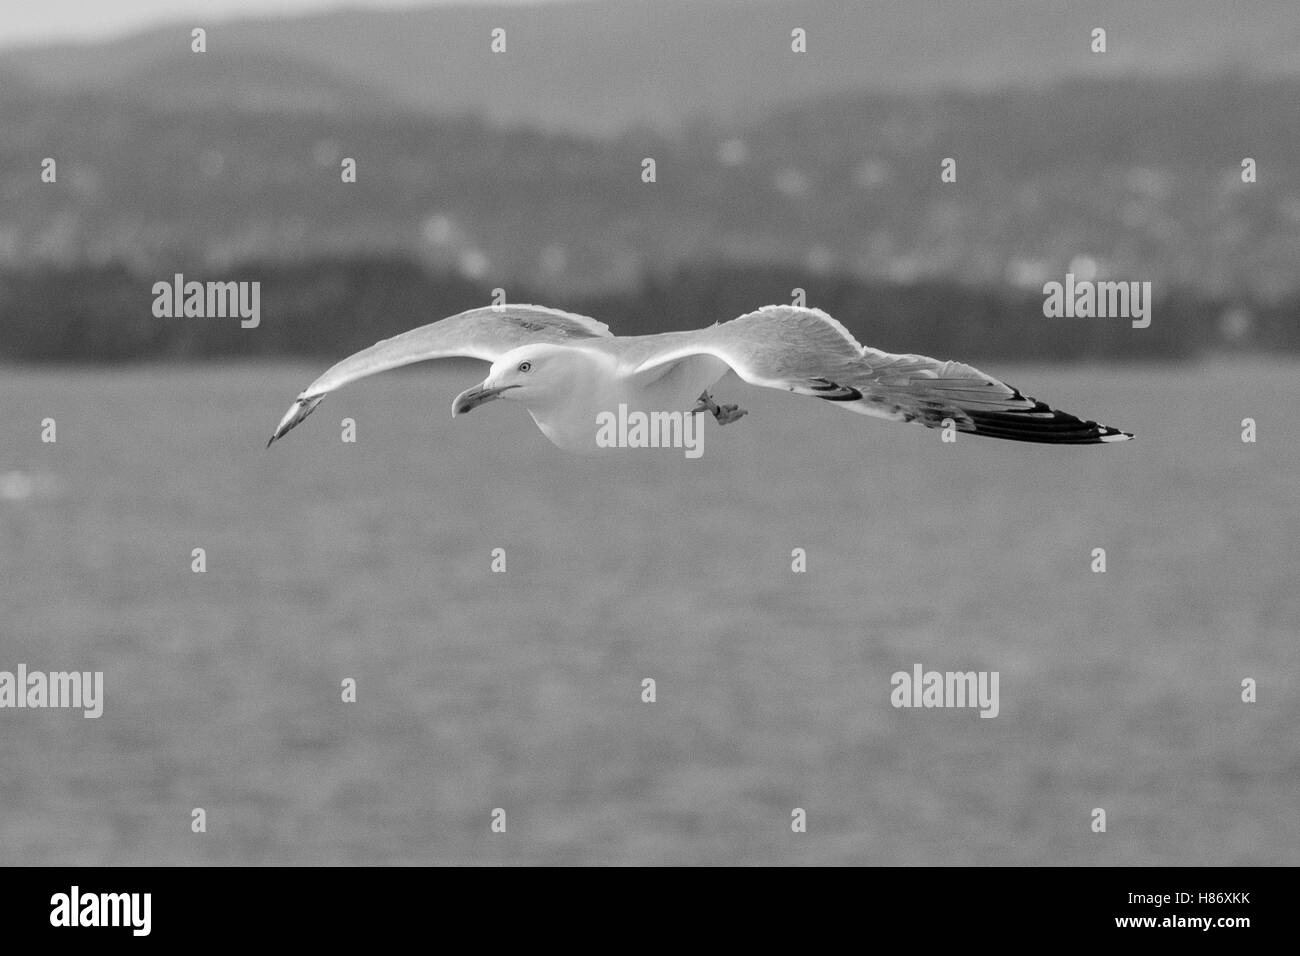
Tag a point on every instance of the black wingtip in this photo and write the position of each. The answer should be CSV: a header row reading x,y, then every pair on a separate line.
x,y
1044,425
300,409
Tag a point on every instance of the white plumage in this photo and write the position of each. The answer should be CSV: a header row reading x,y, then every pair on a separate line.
x,y
567,369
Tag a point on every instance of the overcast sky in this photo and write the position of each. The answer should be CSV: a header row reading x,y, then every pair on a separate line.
x,y
54,21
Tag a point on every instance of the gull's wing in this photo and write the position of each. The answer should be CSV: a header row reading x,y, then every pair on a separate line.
x,y
807,352
485,333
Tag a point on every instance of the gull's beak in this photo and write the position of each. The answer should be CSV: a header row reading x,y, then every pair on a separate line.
x,y
476,396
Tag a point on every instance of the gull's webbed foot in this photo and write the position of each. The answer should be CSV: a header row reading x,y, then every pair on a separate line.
x,y
725,414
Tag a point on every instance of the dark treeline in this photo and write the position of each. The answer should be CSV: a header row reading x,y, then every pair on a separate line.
x,y
326,309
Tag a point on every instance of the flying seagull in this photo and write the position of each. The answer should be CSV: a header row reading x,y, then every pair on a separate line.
x,y
568,369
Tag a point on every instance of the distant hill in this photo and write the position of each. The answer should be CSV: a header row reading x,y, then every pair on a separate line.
x,y
603,66
1140,177
247,80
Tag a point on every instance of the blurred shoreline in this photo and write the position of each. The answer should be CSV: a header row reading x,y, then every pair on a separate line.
x,y
331,308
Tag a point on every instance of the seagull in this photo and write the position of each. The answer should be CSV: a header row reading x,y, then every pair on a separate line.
x,y
568,369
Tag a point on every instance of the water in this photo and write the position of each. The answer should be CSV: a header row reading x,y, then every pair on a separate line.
x,y
522,690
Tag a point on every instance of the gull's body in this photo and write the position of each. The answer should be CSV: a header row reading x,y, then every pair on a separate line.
x,y
568,369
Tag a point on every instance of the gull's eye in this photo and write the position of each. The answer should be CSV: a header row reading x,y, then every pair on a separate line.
x,y
525,366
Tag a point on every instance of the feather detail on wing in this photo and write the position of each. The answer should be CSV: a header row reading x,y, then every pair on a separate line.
x,y
485,334
807,352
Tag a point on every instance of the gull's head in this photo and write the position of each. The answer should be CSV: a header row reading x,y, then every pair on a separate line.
x,y
533,374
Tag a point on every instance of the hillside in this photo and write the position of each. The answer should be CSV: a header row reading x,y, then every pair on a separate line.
x,y
598,67
1142,177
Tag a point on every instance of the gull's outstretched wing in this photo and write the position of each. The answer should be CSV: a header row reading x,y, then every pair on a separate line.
x,y
485,333
807,352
